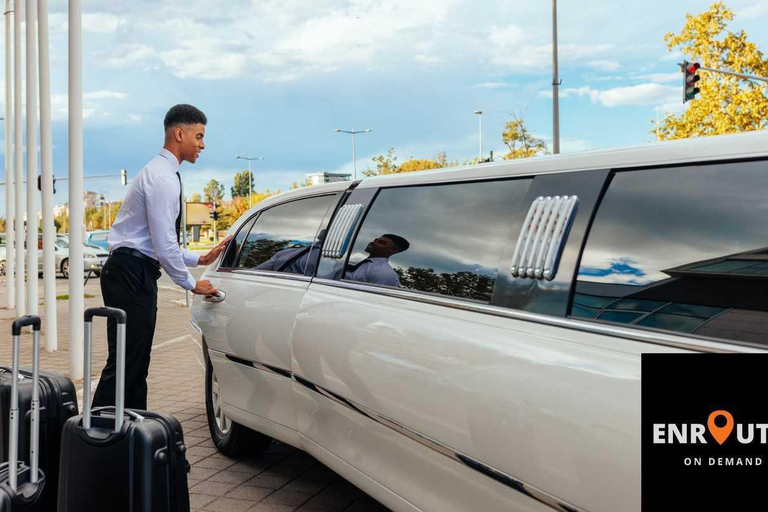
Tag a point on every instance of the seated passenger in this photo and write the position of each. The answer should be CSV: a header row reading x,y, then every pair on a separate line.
x,y
294,260
375,268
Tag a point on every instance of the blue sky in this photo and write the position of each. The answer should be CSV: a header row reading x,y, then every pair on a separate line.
x,y
275,77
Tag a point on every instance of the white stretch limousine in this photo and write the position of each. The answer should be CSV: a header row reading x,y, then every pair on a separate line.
x,y
470,339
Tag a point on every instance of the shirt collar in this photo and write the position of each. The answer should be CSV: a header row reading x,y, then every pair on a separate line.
x,y
171,158
378,260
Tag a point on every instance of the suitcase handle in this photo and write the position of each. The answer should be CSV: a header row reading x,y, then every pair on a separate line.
x,y
120,316
13,441
117,314
24,321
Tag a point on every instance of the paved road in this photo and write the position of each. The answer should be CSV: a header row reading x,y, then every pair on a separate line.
x,y
283,480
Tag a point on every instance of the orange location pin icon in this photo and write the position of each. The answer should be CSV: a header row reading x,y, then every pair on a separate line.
x,y
720,433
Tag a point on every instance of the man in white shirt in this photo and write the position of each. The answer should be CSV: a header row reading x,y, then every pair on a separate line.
x,y
143,239
375,269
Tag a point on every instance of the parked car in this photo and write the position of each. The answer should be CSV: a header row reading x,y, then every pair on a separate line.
x,y
98,238
470,339
93,257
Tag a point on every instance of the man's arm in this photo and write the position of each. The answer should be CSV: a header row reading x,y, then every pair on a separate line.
x,y
162,200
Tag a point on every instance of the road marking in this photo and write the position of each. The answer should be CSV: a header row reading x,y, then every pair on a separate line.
x,y
171,342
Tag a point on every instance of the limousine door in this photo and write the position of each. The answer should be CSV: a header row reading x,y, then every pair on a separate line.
x,y
448,401
247,330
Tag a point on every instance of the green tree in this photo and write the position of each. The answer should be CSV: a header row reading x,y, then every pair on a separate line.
x,y
195,198
242,186
306,183
726,104
213,191
57,224
520,142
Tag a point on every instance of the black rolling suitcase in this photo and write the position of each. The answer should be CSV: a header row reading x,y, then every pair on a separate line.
x,y
21,485
116,459
58,402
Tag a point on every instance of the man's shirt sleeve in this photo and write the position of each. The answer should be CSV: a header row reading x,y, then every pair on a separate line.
x,y
162,200
190,258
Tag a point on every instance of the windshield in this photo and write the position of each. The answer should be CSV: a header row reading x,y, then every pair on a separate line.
x,y
62,243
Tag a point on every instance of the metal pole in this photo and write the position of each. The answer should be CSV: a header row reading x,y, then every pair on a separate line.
x,y
555,85
46,169
250,185
354,158
10,190
740,75
480,156
214,223
18,158
76,285
32,173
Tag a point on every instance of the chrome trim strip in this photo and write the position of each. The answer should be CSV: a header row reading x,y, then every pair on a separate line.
x,y
540,227
194,325
472,463
341,230
681,341
537,270
564,222
537,206
524,230
269,273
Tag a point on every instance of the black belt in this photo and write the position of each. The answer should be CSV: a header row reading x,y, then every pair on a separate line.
x,y
137,254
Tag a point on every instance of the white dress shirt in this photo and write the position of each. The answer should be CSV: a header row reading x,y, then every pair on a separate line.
x,y
147,220
374,271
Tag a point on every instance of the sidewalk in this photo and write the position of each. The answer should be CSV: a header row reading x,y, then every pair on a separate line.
x,y
283,480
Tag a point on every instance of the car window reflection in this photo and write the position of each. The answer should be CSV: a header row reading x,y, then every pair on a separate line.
x,y
681,250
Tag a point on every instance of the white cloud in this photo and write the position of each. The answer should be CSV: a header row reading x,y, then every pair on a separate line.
x,y
102,22
136,118
636,95
93,105
493,85
132,55
660,77
757,10
605,65
429,60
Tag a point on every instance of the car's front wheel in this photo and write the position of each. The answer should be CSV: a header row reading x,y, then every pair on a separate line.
x,y
65,268
231,439
2,267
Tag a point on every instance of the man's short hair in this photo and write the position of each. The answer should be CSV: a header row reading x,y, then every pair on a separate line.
x,y
401,243
184,114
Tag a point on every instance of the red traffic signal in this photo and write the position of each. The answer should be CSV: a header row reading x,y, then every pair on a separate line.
x,y
690,77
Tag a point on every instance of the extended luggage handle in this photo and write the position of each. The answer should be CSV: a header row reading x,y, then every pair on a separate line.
x,y
120,316
13,441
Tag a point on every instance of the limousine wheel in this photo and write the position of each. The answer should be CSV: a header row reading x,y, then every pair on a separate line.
x,y
65,268
230,438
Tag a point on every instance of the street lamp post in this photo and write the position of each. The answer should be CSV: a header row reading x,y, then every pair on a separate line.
x,y
250,184
555,85
479,114
353,133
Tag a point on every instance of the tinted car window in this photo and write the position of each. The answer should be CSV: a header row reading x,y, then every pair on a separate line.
x,y
683,250
236,243
443,239
281,238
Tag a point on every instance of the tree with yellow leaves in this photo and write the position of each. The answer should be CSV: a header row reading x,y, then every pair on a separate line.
x,y
726,104
521,143
387,164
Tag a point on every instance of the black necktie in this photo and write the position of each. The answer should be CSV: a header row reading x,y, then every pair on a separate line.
x,y
355,266
181,205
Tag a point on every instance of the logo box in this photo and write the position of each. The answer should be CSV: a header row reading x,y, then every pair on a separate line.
x,y
691,403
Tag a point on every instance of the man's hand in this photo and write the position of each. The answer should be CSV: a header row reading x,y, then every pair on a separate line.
x,y
207,259
204,287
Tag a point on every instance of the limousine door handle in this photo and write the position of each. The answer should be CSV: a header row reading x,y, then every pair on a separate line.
x,y
220,296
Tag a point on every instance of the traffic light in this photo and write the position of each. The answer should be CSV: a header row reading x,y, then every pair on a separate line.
x,y
690,77
123,177
214,214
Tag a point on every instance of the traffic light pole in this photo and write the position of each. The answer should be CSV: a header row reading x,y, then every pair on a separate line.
x,y
740,75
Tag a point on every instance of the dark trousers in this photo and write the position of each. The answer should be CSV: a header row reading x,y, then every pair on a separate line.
x,y
129,283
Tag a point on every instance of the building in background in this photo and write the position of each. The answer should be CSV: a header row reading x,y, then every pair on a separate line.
x,y
319,178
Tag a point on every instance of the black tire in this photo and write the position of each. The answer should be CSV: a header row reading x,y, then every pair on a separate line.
x,y
235,440
2,267
65,268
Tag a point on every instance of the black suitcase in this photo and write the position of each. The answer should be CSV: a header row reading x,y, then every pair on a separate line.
x,y
121,460
21,485
58,402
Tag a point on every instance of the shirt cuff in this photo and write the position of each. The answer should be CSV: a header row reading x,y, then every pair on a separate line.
x,y
190,283
191,259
